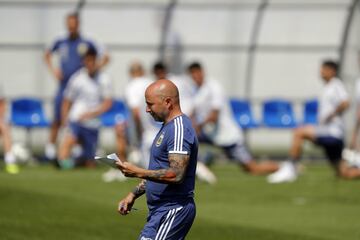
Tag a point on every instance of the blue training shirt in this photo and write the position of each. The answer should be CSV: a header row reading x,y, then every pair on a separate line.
x,y
178,137
71,52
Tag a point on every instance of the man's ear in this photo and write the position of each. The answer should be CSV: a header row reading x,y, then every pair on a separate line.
x,y
168,100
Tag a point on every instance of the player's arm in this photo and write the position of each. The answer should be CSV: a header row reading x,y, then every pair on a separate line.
x,y
104,60
103,107
126,204
136,115
212,117
54,71
65,108
173,175
356,129
341,108
2,108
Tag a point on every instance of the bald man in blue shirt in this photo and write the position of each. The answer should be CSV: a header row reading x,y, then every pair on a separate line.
x,y
170,180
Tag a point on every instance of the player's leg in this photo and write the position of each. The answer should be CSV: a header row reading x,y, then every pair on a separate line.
x,y
172,223
89,142
121,140
288,171
154,221
177,223
260,168
333,148
10,159
301,134
121,148
203,173
347,172
50,148
69,141
239,153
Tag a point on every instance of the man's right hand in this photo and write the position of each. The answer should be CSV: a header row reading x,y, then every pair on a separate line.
x,y
126,204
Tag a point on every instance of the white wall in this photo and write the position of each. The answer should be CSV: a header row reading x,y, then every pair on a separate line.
x,y
293,40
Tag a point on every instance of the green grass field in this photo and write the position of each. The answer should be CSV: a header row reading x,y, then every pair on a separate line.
x,y
43,203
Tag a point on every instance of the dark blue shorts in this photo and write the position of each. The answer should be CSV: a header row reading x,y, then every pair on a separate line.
x,y
333,148
87,138
236,152
168,223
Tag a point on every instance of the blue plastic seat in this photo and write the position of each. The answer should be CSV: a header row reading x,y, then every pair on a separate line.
x,y
243,114
118,113
311,111
28,113
278,113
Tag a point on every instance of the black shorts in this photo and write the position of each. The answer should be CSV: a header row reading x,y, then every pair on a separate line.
x,y
333,148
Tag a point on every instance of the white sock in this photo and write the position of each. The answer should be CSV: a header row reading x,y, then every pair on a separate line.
x,y
50,151
10,158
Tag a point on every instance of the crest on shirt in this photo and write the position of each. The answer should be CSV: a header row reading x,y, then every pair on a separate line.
x,y
160,139
82,48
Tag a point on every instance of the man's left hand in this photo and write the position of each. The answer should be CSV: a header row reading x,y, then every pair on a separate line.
x,y
128,169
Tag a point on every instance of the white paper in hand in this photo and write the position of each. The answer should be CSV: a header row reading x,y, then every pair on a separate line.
x,y
109,159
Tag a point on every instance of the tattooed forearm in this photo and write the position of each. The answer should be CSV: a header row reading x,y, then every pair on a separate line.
x,y
140,189
174,174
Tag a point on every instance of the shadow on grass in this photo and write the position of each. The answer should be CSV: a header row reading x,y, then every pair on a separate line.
x,y
207,230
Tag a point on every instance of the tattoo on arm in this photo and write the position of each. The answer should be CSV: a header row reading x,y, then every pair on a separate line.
x,y
175,173
140,189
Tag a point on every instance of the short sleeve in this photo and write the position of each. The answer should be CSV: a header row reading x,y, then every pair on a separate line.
x,y
357,92
217,98
181,139
133,95
55,46
341,92
106,88
71,90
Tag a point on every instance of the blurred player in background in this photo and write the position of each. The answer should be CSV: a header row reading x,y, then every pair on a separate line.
x,y
70,51
145,127
328,134
352,155
185,86
86,97
187,92
10,161
215,124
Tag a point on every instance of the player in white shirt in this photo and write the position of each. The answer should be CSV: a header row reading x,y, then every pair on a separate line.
x,y
185,86
186,89
329,133
146,128
215,123
87,96
352,154
10,161
354,139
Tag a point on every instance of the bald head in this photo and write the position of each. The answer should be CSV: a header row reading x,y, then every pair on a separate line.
x,y
162,99
164,88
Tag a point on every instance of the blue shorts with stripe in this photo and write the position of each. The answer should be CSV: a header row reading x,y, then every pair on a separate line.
x,y
173,223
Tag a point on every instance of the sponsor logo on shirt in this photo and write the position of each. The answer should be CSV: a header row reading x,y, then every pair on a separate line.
x,y
82,48
160,139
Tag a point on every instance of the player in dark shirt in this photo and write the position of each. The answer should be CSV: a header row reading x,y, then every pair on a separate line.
x,y
170,180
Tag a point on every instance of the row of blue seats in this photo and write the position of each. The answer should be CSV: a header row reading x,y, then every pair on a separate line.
x,y
277,113
29,113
